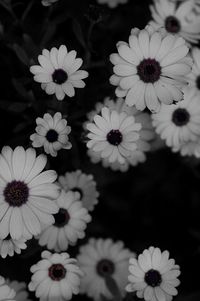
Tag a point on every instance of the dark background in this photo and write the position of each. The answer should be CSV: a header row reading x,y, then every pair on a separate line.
x,y
156,203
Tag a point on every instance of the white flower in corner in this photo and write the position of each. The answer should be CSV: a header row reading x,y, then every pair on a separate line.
x,y
6,293
20,289
9,246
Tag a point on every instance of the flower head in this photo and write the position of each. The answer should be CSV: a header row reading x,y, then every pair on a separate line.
x,y
82,183
26,193
6,293
58,72
52,133
102,258
151,69
9,246
153,276
70,223
55,277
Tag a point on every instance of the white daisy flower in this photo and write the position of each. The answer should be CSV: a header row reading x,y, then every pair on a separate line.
x,y
26,193
52,133
9,246
58,72
82,183
99,259
179,123
113,135
176,19
194,76
20,290
6,293
112,3
153,276
56,277
48,2
151,69
70,223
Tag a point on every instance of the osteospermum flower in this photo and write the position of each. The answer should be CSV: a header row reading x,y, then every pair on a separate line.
x,y
153,276
150,69
99,259
58,72
179,123
56,277
112,3
194,76
113,134
51,133
147,134
26,193
48,2
9,246
6,293
70,223
20,290
176,19
82,183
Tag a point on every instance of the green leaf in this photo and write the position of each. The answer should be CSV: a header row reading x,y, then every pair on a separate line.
x,y
113,288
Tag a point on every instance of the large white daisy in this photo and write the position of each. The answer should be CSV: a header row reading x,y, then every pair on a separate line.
x,y
56,277
150,69
82,183
20,290
26,193
153,276
6,293
70,223
112,3
113,135
58,72
9,246
51,133
176,19
99,259
179,123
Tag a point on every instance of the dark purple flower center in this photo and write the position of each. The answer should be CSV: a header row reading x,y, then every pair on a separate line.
x,y
153,278
57,272
105,267
52,136
180,117
77,189
16,193
198,82
59,76
114,137
61,218
149,70
172,24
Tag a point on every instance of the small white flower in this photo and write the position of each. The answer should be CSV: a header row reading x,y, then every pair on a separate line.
x,y
58,72
151,69
194,76
153,276
176,19
112,3
20,290
6,293
70,223
48,2
26,193
56,277
113,135
9,246
102,258
82,183
52,133
179,123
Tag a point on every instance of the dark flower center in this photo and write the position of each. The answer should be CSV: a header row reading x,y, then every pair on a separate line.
x,y
149,70
153,278
172,24
61,218
16,193
198,82
52,136
57,272
114,137
77,189
180,117
59,76
105,267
